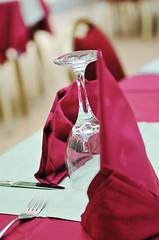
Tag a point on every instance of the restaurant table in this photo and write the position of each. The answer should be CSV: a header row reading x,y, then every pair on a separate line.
x,y
142,93
17,27
28,153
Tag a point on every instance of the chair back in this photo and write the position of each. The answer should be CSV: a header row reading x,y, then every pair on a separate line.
x,y
94,39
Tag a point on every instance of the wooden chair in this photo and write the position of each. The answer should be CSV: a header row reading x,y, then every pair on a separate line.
x,y
92,38
46,48
20,83
8,93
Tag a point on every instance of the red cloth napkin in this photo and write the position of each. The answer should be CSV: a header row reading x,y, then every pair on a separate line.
x,y
124,196
60,121
95,39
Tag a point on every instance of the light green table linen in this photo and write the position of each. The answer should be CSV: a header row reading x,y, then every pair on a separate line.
x,y
22,161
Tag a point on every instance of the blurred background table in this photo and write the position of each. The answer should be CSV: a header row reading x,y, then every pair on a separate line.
x,y
19,21
13,32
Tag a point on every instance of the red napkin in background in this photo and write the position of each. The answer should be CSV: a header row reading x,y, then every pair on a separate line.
x,y
60,121
124,196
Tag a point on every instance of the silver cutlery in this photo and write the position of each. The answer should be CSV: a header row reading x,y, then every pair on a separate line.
x,y
37,185
31,211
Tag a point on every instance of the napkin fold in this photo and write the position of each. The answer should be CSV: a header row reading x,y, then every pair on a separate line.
x,y
59,123
124,195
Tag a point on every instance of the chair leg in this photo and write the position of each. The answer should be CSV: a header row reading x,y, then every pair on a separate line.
x,y
157,18
5,96
39,67
23,101
103,15
146,19
46,48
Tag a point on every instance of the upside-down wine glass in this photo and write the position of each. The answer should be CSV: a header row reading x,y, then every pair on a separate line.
x,y
83,141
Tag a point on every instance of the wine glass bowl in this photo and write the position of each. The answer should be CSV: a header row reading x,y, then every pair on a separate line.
x,y
83,140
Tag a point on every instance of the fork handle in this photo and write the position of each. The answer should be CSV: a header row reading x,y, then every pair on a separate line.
x,y
6,228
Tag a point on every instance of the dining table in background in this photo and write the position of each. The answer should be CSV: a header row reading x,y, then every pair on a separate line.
x,y
13,32
140,86
19,20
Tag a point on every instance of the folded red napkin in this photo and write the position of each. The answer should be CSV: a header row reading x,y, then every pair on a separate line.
x,y
124,196
60,121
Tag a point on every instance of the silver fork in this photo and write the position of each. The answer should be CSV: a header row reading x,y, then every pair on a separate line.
x,y
31,211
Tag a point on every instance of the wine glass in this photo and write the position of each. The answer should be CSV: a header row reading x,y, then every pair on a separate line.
x,y
83,141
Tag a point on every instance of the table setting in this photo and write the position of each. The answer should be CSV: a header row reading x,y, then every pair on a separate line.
x,y
119,197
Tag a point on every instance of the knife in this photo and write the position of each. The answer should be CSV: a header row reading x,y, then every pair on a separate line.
x,y
35,185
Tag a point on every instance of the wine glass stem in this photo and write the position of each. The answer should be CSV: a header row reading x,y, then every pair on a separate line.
x,y
85,111
82,95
